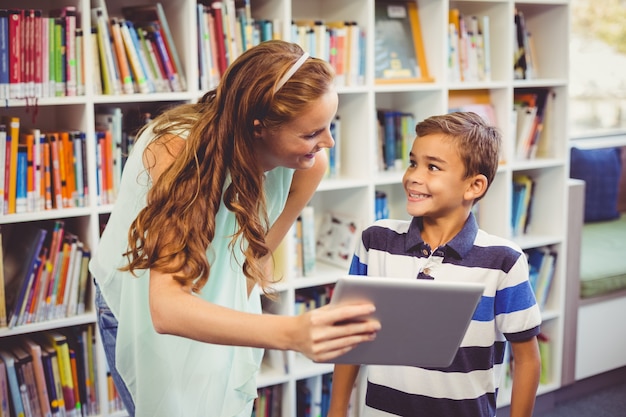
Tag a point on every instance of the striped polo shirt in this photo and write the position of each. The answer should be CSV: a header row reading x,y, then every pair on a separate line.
x,y
507,311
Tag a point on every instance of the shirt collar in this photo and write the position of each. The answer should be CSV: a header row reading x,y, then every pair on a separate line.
x,y
458,247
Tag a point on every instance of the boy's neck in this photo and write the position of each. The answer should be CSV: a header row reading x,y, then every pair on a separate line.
x,y
438,231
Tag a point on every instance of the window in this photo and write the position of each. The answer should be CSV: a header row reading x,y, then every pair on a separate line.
x,y
597,86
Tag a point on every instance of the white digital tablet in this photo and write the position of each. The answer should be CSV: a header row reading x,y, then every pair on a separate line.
x,y
422,321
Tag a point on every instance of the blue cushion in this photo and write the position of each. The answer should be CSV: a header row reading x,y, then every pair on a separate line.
x,y
601,170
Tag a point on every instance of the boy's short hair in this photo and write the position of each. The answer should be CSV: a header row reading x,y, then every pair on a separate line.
x,y
478,142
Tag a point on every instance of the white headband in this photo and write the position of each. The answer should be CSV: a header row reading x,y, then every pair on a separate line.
x,y
291,71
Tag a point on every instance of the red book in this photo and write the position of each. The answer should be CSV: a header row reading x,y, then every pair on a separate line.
x,y
16,86
55,170
219,36
38,54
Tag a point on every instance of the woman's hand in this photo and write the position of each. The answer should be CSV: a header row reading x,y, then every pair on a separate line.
x,y
330,331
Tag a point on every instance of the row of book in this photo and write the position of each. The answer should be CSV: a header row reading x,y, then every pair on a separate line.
x,y
135,53
44,273
469,54
381,205
313,396
524,60
523,188
541,267
42,170
341,43
396,131
50,374
532,109
226,29
40,56
331,238
269,402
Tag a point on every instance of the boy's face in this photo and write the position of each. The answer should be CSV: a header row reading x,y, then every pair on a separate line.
x,y
434,182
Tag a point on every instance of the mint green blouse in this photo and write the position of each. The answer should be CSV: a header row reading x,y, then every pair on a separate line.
x,y
170,376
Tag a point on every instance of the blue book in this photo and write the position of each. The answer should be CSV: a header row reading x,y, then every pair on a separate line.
x,y
141,55
390,139
14,387
4,54
21,189
19,260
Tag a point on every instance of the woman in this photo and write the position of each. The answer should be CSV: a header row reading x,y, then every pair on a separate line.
x,y
208,192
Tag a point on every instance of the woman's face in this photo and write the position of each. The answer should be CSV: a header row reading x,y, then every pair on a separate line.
x,y
295,144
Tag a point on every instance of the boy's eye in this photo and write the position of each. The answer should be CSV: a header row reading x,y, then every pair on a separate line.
x,y
412,164
432,167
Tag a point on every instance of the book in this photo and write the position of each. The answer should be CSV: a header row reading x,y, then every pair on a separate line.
x,y
14,388
16,81
5,159
4,390
307,217
20,257
398,44
60,344
3,306
53,378
34,349
123,64
26,379
111,83
337,238
151,13
4,54
12,124
222,56
136,58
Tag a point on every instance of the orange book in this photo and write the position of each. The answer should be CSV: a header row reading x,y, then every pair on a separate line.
x,y
61,276
418,40
13,130
46,176
70,177
106,155
122,59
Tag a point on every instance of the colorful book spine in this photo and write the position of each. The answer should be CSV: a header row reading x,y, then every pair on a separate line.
x,y
16,82
4,54
121,57
13,133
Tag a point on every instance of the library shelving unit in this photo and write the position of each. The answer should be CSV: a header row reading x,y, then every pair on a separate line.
x,y
353,191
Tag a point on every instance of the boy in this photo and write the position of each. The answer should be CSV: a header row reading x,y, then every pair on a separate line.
x,y
453,161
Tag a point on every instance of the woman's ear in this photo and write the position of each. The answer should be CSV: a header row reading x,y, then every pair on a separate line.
x,y
477,187
258,129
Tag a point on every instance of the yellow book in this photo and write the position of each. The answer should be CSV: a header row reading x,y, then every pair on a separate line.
x,y
13,130
59,342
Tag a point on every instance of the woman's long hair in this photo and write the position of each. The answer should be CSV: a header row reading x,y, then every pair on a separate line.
x,y
173,232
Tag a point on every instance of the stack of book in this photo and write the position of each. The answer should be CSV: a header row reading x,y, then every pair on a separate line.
x,y
43,169
50,374
44,53
135,53
45,269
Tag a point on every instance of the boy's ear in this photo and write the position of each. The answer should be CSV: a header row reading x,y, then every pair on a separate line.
x,y
477,187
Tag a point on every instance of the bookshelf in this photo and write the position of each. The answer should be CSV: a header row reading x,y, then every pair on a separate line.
x,y
353,190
